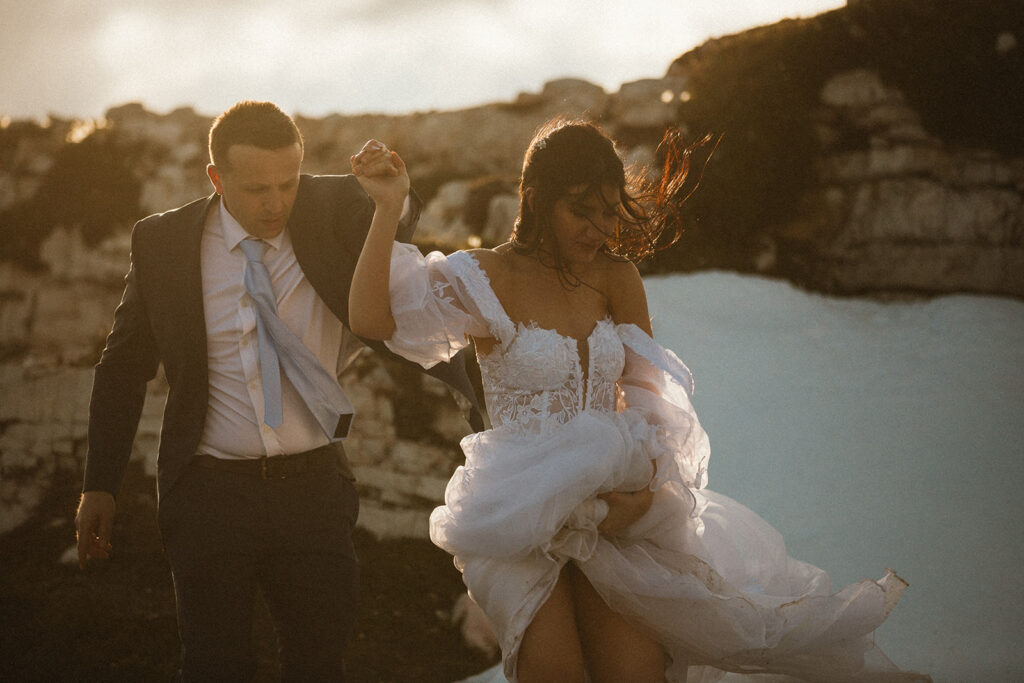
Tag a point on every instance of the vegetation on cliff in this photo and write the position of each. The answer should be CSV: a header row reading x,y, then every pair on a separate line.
x,y
959,64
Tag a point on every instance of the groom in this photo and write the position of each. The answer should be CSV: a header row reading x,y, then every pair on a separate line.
x,y
242,296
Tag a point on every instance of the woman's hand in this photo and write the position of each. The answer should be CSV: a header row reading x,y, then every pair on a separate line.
x,y
382,174
624,508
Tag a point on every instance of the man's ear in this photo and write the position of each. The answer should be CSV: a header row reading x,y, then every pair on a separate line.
x,y
214,175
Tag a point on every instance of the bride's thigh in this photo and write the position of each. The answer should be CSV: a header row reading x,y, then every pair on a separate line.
x,y
551,650
614,649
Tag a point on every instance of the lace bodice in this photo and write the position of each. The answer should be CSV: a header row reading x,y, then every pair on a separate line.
x,y
534,378
537,380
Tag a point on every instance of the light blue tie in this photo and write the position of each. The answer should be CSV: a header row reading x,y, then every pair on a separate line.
x,y
280,348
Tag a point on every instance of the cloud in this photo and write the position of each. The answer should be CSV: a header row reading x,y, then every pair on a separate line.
x,y
316,57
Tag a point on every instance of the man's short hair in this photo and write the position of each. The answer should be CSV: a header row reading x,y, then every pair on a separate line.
x,y
260,124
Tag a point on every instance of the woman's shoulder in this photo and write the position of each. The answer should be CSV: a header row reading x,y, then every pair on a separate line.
x,y
498,253
619,272
484,255
627,299
496,262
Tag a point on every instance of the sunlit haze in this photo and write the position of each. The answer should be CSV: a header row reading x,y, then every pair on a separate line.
x,y
77,59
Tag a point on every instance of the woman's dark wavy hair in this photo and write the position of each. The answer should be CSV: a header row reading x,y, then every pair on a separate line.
x,y
567,153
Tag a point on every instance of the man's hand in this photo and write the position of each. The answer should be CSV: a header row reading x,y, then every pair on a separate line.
x,y
94,522
382,174
624,509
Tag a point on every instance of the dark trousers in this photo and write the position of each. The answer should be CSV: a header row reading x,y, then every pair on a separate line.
x,y
226,534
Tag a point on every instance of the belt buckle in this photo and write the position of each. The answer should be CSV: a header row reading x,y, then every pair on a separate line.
x,y
263,468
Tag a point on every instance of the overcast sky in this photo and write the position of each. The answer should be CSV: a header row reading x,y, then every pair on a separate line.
x,y
314,57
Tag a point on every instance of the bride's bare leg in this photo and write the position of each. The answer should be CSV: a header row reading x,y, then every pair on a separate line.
x,y
550,650
614,649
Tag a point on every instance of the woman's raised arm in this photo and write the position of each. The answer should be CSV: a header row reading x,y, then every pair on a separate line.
x,y
383,176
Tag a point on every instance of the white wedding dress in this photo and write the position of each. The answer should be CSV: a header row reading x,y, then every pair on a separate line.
x,y
571,419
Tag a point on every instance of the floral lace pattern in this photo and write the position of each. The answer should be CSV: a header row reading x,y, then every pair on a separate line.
x,y
534,380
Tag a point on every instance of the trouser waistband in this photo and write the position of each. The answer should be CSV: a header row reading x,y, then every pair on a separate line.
x,y
281,466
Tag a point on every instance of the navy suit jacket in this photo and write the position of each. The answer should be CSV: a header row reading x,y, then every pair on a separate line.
x,y
160,320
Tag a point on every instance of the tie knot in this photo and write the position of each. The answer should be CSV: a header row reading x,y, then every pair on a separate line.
x,y
254,249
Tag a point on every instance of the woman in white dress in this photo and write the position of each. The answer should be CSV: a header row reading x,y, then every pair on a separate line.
x,y
580,520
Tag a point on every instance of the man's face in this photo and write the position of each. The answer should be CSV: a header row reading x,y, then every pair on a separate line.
x,y
258,186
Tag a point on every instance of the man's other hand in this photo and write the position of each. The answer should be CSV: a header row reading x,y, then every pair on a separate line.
x,y
94,523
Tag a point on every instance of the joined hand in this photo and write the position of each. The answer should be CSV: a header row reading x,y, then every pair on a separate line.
x,y
381,173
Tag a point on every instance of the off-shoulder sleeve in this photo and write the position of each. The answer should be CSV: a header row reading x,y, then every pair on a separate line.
x,y
433,311
656,388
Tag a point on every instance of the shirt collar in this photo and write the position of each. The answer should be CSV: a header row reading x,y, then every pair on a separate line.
x,y
233,232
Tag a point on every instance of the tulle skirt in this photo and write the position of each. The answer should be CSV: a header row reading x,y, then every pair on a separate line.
x,y
708,578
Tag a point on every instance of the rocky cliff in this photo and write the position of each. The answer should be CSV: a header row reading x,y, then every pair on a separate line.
x,y
876,148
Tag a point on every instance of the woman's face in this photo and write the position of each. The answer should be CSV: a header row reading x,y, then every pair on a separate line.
x,y
582,221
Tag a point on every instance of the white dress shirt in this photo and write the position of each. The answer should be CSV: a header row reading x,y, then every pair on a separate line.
x,y
234,425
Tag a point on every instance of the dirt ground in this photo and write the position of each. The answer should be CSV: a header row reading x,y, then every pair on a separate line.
x,y
116,621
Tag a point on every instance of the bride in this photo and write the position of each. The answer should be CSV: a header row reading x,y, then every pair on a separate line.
x,y
580,521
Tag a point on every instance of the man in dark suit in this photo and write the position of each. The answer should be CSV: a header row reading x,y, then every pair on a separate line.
x,y
246,500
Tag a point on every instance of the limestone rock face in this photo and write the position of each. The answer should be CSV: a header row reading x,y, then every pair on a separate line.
x,y
68,259
173,154
27,161
55,321
906,212
173,185
576,96
441,221
458,144
41,433
648,103
502,211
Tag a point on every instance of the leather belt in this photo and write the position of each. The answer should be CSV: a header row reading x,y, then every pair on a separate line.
x,y
279,466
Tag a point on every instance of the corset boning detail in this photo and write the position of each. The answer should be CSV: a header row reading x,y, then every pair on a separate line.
x,y
535,381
